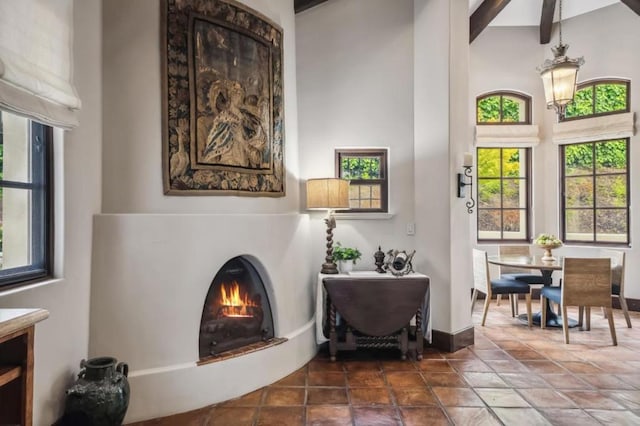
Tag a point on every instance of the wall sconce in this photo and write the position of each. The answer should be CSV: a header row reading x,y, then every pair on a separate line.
x,y
467,165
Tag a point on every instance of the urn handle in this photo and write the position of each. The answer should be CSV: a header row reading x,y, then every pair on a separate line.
x,y
123,368
83,365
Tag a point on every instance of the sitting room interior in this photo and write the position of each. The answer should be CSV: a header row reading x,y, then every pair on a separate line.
x,y
133,255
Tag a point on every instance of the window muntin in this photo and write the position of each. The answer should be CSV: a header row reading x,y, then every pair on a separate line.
x,y
503,108
599,97
595,195
25,200
503,194
366,169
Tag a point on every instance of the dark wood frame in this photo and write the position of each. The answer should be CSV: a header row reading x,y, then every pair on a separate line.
x,y
42,217
593,175
502,94
527,210
596,82
181,175
383,181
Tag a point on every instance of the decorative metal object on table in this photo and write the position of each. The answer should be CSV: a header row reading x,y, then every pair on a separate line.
x,y
398,262
548,242
379,257
100,396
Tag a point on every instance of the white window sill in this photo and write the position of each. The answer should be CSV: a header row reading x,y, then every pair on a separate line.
x,y
32,286
363,216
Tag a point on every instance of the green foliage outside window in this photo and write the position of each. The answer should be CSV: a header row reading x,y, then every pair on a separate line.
x,y
609,97
491,110
360,167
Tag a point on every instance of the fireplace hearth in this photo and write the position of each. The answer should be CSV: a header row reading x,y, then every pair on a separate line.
x,y
237,316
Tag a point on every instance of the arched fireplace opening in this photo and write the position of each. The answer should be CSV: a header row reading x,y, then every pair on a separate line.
x,y
237,316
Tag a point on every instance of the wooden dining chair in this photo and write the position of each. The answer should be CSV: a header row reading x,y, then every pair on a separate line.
x,y
507,272
585,283
617,279
483,283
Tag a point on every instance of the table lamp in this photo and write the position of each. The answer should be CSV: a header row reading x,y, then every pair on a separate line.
x,y
328,194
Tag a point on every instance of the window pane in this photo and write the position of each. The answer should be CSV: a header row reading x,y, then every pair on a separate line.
x,y
15,153
511,195
16,227
488,162
611,156
489,193
611,191
579,225
511,221
611,225
360,167
611,97
511,162
489,110
582,103
579,192
489,224
513,109
578,159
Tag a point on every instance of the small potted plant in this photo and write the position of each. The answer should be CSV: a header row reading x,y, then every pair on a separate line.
x,y
547,242
346,257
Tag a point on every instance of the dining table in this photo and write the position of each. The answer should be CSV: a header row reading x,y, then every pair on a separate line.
x,y
546,268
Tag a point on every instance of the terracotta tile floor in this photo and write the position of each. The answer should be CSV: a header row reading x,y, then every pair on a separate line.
x,y
513,375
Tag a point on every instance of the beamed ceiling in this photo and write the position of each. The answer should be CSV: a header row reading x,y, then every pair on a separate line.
x,y
487,11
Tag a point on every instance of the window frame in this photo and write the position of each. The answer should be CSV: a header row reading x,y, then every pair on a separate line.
x,y
593,83
42,218
502,94
527,209
562,192
383,181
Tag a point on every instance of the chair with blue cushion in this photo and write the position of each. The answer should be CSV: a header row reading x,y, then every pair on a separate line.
x,y
585,283
483,283
520,274
617,279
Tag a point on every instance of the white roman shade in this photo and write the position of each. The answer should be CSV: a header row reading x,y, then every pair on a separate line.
x,y
507,135
612,126
36,65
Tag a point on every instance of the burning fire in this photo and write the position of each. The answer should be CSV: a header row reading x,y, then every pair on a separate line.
x,y
233,303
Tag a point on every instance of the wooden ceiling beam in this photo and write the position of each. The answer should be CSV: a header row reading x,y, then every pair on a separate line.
x,y
633,5
546,20
483,15
301,5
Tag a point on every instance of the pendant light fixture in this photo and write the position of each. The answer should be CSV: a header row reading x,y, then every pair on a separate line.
x,y
559,75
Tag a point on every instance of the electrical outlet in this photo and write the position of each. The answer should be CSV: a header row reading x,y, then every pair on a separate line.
x,y
411,228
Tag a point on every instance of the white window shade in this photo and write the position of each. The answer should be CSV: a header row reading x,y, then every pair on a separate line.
x,y
612,126
521,135
36,65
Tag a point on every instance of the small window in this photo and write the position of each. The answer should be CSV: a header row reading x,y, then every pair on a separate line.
x,y
25,200
366,169
503,108
503,194
595,192
599,97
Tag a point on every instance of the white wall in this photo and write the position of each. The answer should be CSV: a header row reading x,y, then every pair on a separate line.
x,y
62,340
155,256
355,72
610,50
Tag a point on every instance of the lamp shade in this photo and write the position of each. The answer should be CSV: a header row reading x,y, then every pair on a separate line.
x,y
560,83
327,193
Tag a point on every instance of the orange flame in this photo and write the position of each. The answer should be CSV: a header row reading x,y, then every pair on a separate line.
x,y
234,304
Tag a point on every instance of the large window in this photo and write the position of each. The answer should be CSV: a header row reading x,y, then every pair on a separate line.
x,y
25,200
595,192
367,171
503,194
599,97
503,108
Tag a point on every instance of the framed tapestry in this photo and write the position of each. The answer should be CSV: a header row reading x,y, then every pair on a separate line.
x,y
223,111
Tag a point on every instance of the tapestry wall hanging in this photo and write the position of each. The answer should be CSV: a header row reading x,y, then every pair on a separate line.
x,y
223,111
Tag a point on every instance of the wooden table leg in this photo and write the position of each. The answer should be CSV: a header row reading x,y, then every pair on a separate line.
x,y
333,336
419,336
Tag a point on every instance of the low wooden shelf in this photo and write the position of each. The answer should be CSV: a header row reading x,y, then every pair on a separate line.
x,y
17,328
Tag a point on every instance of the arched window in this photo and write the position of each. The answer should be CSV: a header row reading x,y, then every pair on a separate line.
x,y
503,107
599,97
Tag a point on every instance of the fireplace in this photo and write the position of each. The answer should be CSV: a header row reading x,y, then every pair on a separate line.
x,y
236,317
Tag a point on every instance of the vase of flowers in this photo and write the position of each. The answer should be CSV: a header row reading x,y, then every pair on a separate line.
x,y
346,257
548,242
